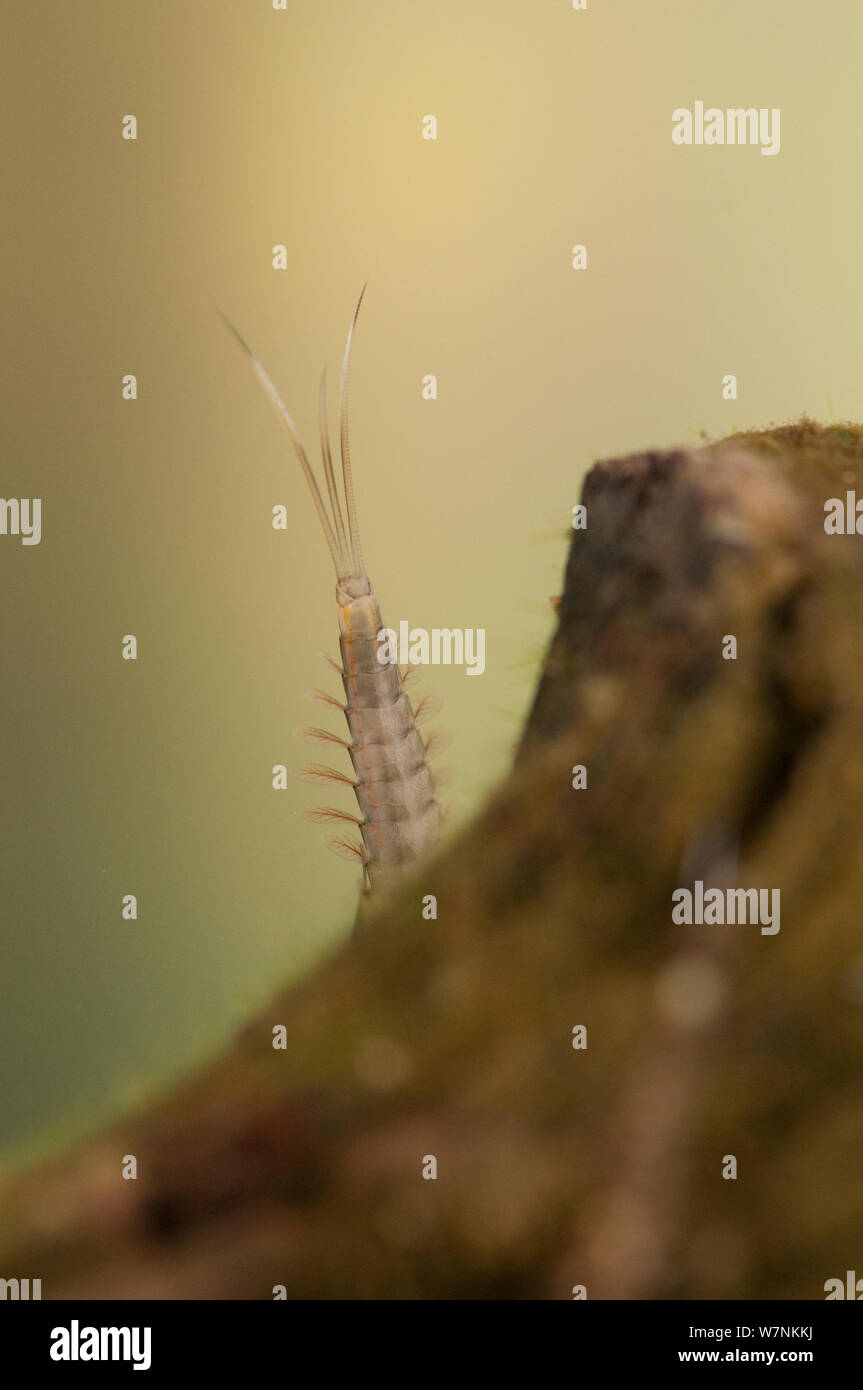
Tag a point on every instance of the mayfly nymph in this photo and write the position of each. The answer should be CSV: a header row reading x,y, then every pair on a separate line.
x,y
399,817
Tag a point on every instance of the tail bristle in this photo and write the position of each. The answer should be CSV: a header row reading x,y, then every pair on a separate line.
x,y
343,542
344,436
326,454
286,419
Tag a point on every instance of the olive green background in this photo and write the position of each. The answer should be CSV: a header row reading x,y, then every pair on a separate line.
x,y
302,127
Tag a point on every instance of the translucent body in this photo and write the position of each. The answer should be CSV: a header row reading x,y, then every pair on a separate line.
x,y
394,784
399,816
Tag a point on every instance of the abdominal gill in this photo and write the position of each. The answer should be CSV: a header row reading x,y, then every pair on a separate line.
x,y
399,816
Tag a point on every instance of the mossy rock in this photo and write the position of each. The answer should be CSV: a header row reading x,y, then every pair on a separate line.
x,y
560,1166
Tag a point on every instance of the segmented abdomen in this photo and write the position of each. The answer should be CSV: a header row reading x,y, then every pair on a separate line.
x,y
394,784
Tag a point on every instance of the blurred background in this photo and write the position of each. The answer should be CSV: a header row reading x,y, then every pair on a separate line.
x,y
303,127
